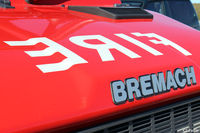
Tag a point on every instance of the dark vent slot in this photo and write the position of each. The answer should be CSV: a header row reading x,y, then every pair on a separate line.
x,y
179,114
142,126
196,119
181,120
162,123
183,124
180,108
119,128
162,114
114,12
196,103
196,108
142,129
163,128
162,119
141,121
197,126
196,114
101,131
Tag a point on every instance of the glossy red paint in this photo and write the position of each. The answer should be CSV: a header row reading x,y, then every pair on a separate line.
x,y
32,101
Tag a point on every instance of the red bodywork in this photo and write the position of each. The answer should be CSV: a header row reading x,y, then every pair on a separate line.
x,y
33,101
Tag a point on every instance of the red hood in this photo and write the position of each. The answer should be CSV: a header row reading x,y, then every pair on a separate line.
x,y
32,100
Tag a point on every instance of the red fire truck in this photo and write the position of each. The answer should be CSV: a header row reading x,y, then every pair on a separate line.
x,y
99,66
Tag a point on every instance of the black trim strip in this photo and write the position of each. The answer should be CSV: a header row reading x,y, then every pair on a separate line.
x,y
114,12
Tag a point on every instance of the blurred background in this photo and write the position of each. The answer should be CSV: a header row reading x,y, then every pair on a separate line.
x,y
196,4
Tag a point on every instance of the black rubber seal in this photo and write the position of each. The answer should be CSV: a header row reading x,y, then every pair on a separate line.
x,y
114,12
